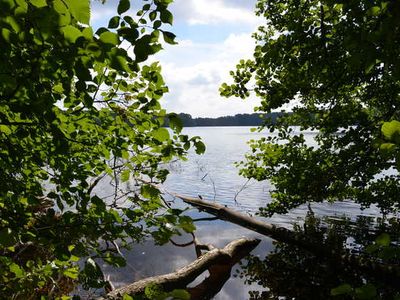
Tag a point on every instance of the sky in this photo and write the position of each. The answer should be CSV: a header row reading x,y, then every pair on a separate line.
x,y
212,36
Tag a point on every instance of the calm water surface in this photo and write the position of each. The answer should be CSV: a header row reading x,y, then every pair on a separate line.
x,y
215,177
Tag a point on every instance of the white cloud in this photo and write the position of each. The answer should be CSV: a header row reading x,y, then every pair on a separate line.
x,y
102,13
192,12
215,11
194,72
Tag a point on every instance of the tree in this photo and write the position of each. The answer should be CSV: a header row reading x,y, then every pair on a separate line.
x,y
336,65
79,109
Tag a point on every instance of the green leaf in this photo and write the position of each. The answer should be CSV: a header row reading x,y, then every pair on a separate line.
x,y
119,63
341,290
126,297
114,22
80,10
175,122
82,72
391,130
152,15
387,147
87,32
142,48
374,11
59,6
22,6
71,33
125,175
200,147
5,129
123,6
130,34
169,37
16,270
161,134
157,24
64,19
5,33
92,269
186,224
383,240
180,294
366,292
108,37
369,68
166,16
149,192
71,272
74,258
38,3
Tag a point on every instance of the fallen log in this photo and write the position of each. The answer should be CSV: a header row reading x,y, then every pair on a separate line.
x,y
388,272
217,261
275,232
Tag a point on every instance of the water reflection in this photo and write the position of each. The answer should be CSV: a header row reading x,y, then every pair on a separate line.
x,y
289,272
277,270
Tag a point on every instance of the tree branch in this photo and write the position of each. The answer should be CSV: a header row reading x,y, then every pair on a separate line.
x,y
215,261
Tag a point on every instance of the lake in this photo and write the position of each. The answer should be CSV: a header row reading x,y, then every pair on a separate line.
x,y
215,177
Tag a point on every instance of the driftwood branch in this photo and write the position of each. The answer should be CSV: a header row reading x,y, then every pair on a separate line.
x,y
390,273
224,213
217,261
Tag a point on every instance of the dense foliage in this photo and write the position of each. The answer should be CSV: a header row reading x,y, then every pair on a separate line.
x,y
336,65
79,109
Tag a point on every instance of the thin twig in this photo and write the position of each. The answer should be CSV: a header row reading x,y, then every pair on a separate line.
x,y
243,187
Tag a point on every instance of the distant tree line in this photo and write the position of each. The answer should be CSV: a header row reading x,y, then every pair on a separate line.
x,y
236,120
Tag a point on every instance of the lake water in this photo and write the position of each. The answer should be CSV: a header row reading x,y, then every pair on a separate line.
x,y
215,177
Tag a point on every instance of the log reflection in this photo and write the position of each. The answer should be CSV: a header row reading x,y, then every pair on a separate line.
x,y
290,272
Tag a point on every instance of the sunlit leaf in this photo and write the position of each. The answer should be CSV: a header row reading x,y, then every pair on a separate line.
x,y
80,9
161,134
109,38
71,33
38,3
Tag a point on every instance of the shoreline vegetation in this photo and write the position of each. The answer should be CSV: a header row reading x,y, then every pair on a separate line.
x,y
255,119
